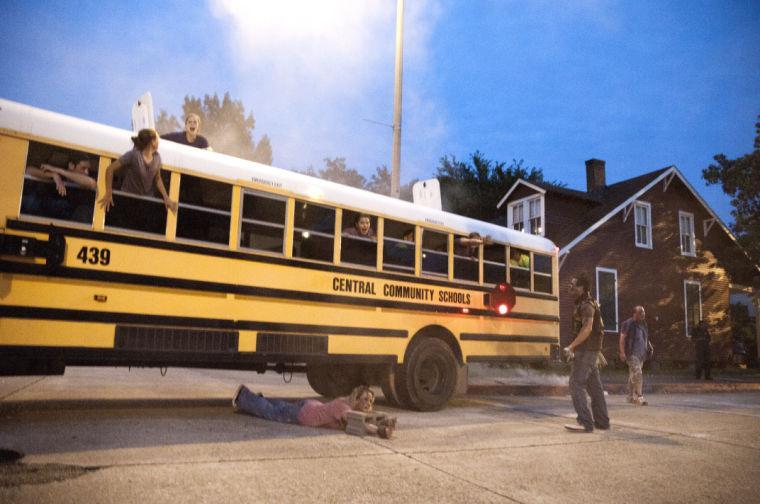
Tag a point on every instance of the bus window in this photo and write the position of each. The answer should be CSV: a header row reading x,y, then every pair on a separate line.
x,y
359,242
494,263
519,268
263,222
465,261
313,231
204,210
435,255
398,246
542,273
59,183
138,213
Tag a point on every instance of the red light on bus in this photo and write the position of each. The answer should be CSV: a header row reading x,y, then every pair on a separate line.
x,y
502,299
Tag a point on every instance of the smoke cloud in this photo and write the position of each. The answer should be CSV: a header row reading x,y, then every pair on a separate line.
x,y
319,74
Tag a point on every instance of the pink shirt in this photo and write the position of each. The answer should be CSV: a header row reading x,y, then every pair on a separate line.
x,y
317,414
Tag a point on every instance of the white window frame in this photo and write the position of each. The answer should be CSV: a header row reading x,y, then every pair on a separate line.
x,y
686,304
636,224
525,202
598,300
692,235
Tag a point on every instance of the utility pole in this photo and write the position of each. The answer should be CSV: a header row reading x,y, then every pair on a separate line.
x,y
396,160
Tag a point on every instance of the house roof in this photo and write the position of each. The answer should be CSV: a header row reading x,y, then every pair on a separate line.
x,y
599,206
607,200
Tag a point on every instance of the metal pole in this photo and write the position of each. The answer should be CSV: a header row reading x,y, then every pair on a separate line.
x,y
396,160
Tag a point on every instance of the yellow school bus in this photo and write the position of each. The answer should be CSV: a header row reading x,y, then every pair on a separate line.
x,y
258,269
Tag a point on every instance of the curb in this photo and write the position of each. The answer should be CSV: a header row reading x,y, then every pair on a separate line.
x,y
612,388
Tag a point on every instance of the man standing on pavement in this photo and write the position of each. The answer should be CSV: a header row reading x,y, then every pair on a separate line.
x,y
585,349
634,348
700,335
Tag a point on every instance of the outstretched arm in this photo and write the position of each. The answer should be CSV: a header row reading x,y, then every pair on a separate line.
x,y
82,180
107,200
169,204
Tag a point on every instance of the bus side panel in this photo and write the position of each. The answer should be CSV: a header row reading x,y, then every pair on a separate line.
x,y
13,152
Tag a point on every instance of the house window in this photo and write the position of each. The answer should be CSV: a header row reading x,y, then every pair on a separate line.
x,y
643,214
517,217
606,296
527,215
692,303
534,216
688,243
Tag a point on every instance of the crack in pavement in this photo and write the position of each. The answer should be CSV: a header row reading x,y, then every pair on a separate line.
x,y
23,388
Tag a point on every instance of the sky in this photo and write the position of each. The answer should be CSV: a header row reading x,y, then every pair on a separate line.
x,y
640,84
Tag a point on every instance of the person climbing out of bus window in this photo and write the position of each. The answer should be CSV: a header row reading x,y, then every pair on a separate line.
x,y
313,413
190,136
468,247
58,202
142,171
362,227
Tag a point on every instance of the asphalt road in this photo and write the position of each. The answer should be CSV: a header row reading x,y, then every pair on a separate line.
x,y
115,435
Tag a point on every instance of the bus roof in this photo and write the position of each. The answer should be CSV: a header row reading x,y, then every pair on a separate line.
x,y
43,124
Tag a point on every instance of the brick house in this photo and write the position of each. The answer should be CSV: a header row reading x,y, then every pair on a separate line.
x,y
649,240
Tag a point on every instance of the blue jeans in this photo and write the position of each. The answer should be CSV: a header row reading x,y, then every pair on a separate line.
x,y
275,410
584,377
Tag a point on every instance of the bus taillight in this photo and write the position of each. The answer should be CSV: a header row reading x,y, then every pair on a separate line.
x,y
503,298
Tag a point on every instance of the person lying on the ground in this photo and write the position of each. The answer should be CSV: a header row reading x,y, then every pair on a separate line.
x,y
313,413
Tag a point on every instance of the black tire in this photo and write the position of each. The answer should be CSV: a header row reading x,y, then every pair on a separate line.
x,y
388,386
428,378
332,380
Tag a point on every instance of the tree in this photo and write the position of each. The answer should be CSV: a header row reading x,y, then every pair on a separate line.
x,y
225,124
740,179
474,188
337,171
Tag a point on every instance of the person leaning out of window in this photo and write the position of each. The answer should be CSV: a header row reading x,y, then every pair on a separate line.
x,y
141,168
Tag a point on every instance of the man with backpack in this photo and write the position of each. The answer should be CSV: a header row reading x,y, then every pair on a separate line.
x,y
585,349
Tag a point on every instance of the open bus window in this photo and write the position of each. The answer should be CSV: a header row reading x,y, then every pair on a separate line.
x,y
519,268
542,273
466,260
59,183
130,211
204,210
263,224
313,231
494,263
359,242
435,255
398,246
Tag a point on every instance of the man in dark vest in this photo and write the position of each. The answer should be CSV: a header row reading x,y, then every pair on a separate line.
x,y
585,348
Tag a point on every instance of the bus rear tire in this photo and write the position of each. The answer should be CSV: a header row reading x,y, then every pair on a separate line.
x,y
332,380
428,378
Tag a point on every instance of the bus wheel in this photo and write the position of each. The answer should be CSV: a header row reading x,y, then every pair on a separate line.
x,y
388,386
428,377
332,380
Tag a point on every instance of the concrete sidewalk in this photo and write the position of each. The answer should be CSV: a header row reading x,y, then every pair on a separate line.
x,y
485,380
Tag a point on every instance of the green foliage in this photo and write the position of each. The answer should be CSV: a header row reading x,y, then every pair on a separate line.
x,y
166,123
474,188
740,179
336,170
225,124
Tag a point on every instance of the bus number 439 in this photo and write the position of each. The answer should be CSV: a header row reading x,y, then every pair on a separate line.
x,y
94,255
